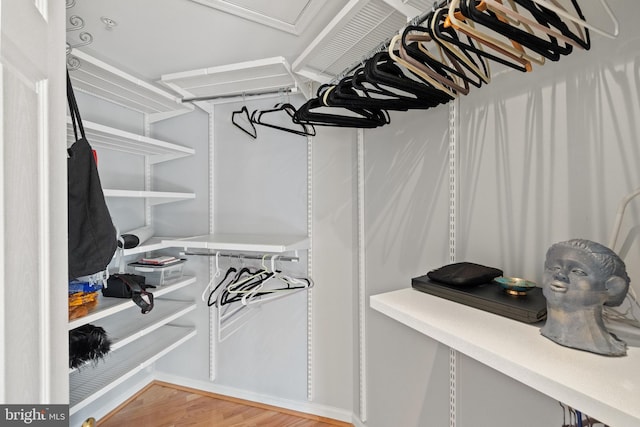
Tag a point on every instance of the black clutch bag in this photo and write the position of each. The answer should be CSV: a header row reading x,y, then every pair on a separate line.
x,y
464,274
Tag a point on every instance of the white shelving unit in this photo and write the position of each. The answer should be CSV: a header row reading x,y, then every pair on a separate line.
x,y
156,151
152,197
251,78
123,331
606,388
138,340
107,82
109,306
88,384
153,244
242,242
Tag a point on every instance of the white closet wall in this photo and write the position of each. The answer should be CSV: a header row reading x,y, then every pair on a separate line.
x,y
259,187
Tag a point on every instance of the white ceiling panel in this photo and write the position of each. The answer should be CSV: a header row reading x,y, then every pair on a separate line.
x,y
290,16
357,30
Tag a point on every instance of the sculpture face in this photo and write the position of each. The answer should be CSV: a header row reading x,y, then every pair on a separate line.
x,y
573,280
580,277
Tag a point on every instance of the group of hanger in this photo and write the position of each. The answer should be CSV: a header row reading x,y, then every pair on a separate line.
x,y
252,286
247,122
441,54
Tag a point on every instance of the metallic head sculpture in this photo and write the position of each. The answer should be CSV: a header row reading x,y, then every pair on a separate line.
x,y
580,278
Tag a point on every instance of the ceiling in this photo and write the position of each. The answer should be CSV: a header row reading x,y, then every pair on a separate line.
x,y
152,38
178,41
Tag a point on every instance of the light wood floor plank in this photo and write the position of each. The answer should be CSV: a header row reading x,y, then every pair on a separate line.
x,y
165,405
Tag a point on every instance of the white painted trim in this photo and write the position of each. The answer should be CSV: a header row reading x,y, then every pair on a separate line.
x,y
3,382
362,288
44,244
305,407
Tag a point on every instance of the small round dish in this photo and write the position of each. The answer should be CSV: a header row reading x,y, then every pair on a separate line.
x,y
515,285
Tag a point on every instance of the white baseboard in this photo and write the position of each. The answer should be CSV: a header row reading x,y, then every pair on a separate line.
x,y
355,420
305,407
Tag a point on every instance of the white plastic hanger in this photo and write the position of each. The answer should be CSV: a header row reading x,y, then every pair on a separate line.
x,y
252,298
210,285
563,13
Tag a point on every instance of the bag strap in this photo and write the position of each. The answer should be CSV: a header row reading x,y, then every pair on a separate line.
x,y
73,109
141,297
144,300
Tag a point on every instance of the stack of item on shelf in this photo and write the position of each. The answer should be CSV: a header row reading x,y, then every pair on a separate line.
x,y
485,288
83,296
160,270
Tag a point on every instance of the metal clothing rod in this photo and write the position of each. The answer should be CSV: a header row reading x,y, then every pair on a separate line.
x,y
244,256
233,95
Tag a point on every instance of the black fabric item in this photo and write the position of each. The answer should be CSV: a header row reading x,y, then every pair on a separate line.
x,y
130,286
92,239
464,274
87,343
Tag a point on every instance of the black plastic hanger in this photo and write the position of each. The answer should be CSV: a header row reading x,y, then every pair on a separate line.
x,y
252,132
257,117
550,49
317,113
449,35
385,74
470,60
554,20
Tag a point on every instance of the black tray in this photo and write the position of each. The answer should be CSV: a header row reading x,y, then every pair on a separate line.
x,y
530,308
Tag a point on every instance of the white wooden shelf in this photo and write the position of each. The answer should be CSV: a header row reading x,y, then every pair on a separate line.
x,y
89,384
153,244
153,197
250,77
123,330
606,388
107,82
242,242
107,305
101,136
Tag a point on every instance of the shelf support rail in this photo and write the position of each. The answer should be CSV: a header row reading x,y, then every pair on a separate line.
x,y
453,198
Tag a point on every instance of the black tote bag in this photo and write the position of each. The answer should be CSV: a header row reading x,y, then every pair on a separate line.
x,y
92,236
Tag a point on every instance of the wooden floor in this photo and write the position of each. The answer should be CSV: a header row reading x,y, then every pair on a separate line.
x,y
165,405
